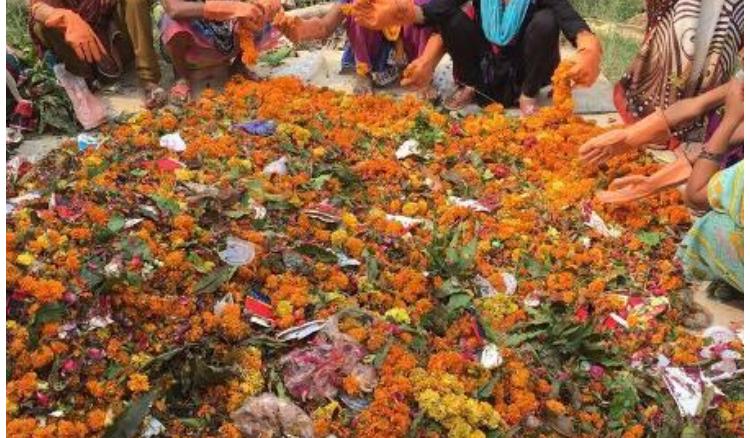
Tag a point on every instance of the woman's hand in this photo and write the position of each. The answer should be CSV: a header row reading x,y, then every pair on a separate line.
x,y
652,129
418,73
588,58
380,14
78,34
222,10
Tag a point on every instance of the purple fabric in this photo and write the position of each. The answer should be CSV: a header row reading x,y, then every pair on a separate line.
x,y
258,127
368,45
736,154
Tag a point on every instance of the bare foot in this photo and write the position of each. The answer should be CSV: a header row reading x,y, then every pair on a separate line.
x,y
460,98
527,105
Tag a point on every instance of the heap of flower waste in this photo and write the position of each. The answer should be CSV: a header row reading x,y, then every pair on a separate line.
x,y
283,259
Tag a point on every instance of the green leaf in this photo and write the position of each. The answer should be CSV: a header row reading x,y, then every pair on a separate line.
x,y
519,338
486,390
371,262
129,422
214,280
116,223
318,182
166,204
193,423
380,356
200,265
650,238
113,369
317,252
458,302
449,287
47,313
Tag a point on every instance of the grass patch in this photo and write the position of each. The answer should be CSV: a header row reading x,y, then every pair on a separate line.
x,y
17,29
610,10
619,52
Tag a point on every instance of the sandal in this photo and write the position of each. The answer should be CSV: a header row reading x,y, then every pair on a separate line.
x,y
362,85
460,98
180,93
155,96
527,105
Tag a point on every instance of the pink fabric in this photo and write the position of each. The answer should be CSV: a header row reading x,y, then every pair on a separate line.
x,y
201,53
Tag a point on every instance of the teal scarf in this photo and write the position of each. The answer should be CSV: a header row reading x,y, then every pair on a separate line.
x,y
501,22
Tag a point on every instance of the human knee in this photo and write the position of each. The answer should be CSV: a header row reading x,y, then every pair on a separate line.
x,y
543,24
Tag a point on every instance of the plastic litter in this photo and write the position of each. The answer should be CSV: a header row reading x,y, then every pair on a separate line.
x,y
511,284
89,109
687,387
595,222
152,428
490,358
261,312
407,149
345,261
301,331
270,416
316,370
277,167
259,127
86,141
168,164
469,203
222,303
485,287
405,221
173,142
324,212
354,403
238,252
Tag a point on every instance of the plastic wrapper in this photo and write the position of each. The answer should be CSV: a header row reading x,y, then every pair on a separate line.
x,y
262,128
316,370
173,142
89,109
267,416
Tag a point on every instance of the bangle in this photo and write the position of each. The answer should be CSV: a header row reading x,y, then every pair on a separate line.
x,y
711,156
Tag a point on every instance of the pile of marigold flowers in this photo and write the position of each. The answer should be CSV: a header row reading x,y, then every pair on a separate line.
x,y
485,292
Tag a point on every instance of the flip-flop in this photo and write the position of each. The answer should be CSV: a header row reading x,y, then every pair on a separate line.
x,y
634,187
180,93
459,99
155,97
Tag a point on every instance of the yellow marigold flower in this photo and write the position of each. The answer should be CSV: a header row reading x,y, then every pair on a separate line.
x,y
25,259
338,237
398,315
138,383
410,209
183,174
555,407
349,221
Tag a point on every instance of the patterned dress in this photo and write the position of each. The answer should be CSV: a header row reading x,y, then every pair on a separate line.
x,y
690,47
713,248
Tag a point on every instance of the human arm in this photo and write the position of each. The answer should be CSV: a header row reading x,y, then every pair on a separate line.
x,y
78,34
655,128
216,10
305,29
418,73
709,161
381,14
691,108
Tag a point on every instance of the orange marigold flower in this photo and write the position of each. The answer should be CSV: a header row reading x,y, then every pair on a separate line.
x,y
138,382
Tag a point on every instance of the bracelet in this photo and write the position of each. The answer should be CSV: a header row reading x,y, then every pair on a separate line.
x,y
711,156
